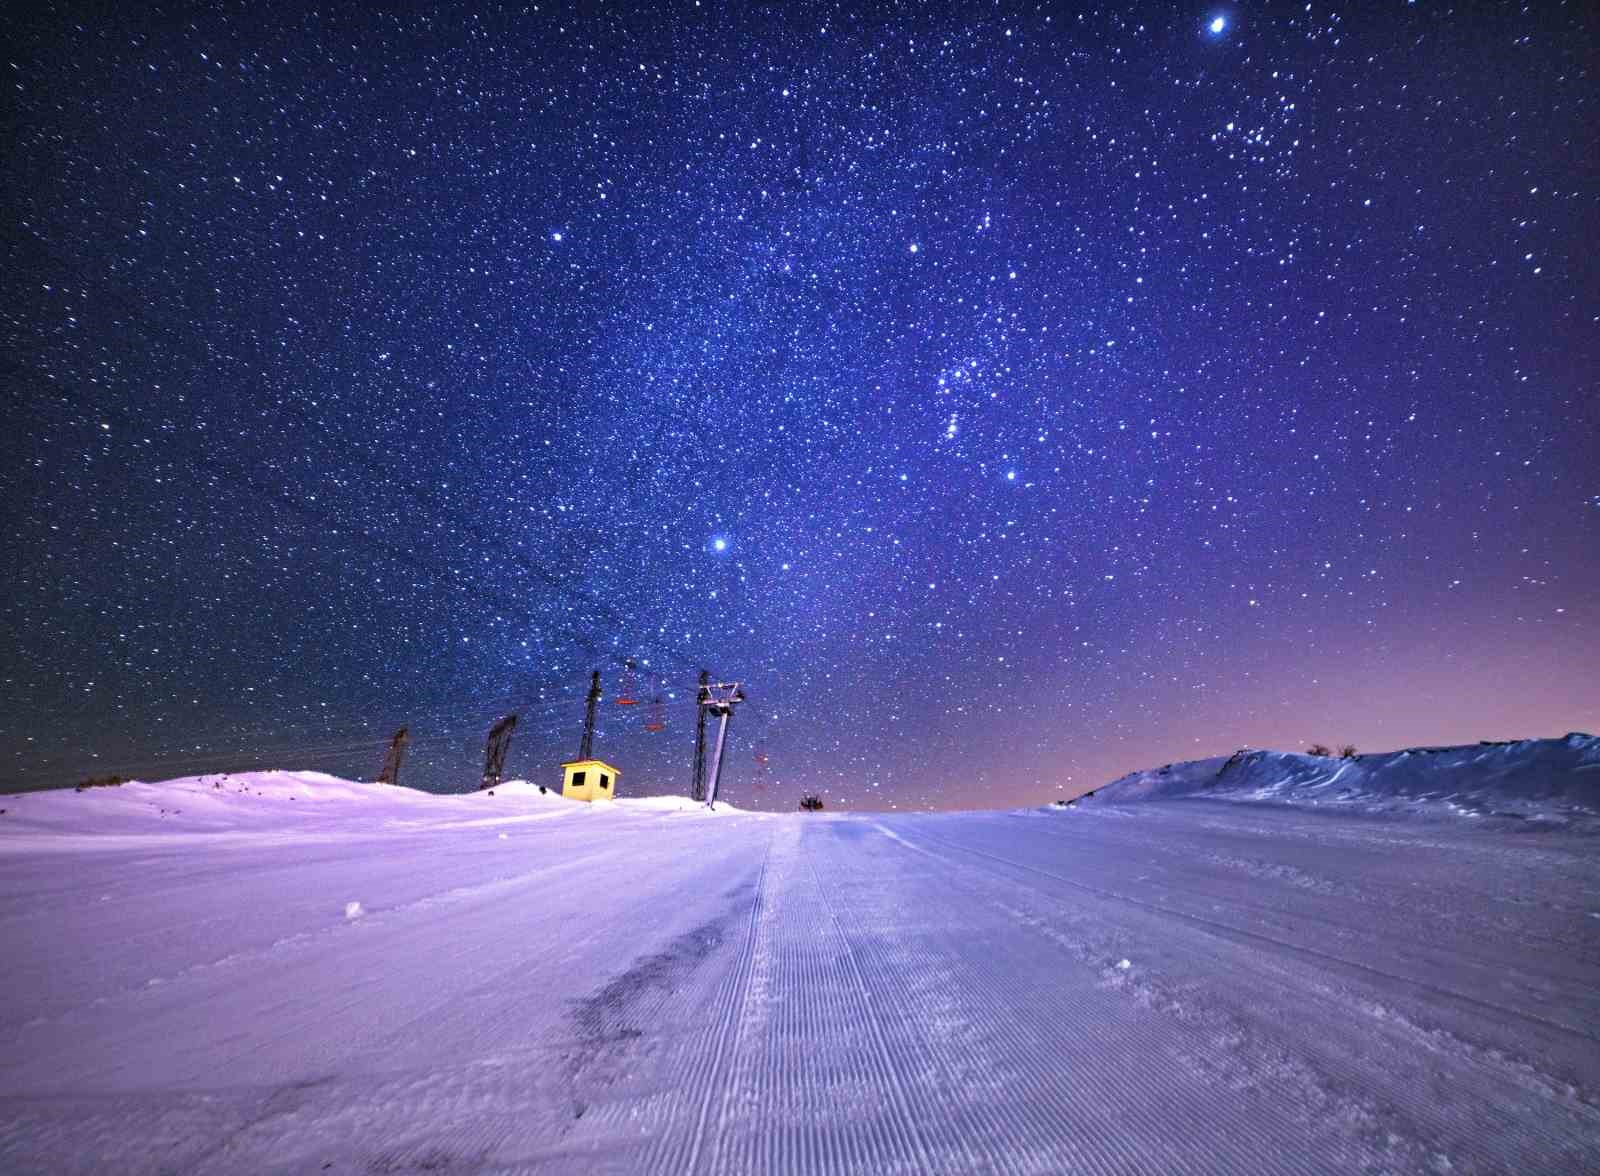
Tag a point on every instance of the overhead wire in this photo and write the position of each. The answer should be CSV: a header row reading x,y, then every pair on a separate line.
x,y
239,475
556,581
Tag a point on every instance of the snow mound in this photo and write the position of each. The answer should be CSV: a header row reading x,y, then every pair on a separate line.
x,y
269,802
520,788
1522,778
671,804
297,805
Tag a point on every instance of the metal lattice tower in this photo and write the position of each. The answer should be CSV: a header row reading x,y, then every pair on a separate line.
x,y
719,700
698,792
392,758
586,748
494,759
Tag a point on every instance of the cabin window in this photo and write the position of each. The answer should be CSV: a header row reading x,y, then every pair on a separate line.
x,y
577,779
605,780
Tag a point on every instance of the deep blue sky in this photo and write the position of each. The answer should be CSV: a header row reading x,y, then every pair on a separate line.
x,y
1008,397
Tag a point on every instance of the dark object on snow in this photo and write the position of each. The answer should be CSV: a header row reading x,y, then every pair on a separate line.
x,y
494,760
586,744
1348,751
811,804
697,791
390,774
98,782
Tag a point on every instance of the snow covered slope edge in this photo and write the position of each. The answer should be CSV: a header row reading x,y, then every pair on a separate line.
x,y
1528,777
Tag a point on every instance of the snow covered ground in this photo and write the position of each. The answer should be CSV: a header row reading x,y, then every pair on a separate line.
x,y
359,979
1545,780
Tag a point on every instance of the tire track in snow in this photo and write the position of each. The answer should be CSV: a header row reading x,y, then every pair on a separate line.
x,y
1228,931
703,1084
1119,1076
581,1090
747,1087
816,1069
1003,1069
1339,1080
313,941
963,1093
891,1061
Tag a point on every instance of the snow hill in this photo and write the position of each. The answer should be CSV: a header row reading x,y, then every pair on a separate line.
x,y
286,804
284,972
1549,779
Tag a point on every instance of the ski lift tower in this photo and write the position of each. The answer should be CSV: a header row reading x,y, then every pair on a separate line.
x,y
494,759
697,791
719,700
391,759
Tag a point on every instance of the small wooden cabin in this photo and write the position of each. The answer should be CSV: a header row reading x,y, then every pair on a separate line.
x,y
589,779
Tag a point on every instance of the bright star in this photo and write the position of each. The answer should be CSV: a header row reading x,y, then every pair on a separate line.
x,y
1218,24
719,544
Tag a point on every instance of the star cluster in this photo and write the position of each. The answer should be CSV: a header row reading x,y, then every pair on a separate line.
x,y
1008,398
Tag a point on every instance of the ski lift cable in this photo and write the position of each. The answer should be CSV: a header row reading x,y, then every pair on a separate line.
x,y
546,728
454,719
393,550
431,729
557,582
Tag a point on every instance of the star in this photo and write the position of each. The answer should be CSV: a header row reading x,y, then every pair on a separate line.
x,y
1216,323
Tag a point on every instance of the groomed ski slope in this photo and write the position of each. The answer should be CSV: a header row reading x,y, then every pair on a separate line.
x,y
1177,986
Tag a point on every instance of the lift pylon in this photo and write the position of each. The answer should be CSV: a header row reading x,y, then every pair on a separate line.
x,y
629,695
586,748
697,792
658,715
391,759
494,758
719,700
763,770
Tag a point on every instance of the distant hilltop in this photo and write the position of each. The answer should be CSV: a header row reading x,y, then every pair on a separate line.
x,y
1521,778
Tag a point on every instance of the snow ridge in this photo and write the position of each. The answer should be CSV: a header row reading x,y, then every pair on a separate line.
x,y
1528,778
295,805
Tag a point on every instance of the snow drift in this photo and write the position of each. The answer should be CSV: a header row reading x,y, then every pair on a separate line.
x,y
1547,778
289,804
287,972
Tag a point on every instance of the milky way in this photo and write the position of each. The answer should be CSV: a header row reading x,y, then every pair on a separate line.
x,y
1007,397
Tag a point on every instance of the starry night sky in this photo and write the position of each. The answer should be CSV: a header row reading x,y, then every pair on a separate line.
x,y
1008,397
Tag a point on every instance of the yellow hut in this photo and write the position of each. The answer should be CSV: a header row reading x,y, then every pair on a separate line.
x,y
589,779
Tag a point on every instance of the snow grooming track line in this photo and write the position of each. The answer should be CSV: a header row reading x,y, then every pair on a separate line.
x,y
730,1004
1226,931
1395,1126
909,1126
1072,1096
978,1133
298,944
